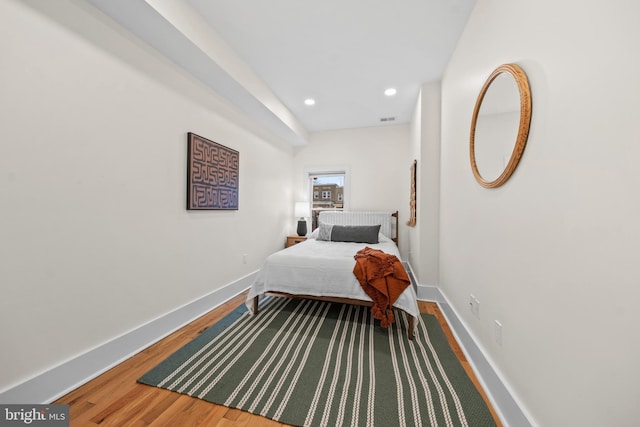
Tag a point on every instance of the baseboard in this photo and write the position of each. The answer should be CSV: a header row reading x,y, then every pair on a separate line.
x,y
56,382
412,278
430,293
505,405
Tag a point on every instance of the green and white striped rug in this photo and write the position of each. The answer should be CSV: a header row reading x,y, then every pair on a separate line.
x,y
312,363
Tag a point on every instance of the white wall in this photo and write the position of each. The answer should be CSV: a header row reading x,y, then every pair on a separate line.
x,y
553,254
414,249
95,239
424,238
377,160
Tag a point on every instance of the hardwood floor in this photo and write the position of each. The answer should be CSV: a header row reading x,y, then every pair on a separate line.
x,y
116,399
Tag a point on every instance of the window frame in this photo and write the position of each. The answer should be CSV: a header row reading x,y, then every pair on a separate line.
x,y
310,173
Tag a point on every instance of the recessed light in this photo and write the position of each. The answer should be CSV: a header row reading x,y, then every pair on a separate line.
x,y
309,101
390,92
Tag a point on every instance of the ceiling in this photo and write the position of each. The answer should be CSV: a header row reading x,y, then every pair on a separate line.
x,y
267,57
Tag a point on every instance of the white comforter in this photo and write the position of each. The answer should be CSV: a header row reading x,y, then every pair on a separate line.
x,y
322,268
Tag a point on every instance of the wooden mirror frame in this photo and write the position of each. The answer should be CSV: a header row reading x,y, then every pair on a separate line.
x,y
523,129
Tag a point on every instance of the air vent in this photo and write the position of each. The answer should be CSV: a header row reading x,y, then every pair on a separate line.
x,y
387,119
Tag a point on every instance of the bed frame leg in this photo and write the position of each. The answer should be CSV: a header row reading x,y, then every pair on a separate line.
x,y
412,326
255,304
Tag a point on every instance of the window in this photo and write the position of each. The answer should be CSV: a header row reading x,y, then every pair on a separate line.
x,y
328,191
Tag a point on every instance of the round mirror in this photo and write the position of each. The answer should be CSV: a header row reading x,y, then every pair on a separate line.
x,y
500,125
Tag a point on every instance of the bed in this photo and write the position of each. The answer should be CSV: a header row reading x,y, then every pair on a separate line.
x,y
320,269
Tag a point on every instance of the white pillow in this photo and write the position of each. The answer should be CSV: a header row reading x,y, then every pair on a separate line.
x,y
314,234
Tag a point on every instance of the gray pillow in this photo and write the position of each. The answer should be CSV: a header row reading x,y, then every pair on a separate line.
x,y
354,233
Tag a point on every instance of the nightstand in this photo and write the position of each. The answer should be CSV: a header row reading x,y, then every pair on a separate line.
x,y
292,240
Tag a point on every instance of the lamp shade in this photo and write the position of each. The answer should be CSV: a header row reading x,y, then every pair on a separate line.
x,y
302,209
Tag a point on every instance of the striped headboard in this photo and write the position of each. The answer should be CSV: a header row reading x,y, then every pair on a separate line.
x,y
388,220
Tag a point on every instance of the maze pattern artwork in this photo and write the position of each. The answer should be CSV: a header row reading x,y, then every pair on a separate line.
x,y
212,175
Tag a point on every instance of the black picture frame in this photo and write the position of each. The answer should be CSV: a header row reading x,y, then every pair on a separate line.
x,y
212,175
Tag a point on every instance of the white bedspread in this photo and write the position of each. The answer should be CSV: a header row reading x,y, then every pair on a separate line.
x,y
322,268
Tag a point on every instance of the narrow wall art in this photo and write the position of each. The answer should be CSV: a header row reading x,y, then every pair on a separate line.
x,y
412,201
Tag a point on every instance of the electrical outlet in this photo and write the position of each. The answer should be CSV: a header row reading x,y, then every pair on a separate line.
x,y
474,305
497,332
244,258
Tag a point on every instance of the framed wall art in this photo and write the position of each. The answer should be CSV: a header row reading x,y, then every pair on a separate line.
x,y
212,175
412,201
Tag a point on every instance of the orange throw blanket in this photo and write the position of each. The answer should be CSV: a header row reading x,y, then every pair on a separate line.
x,y
383,278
